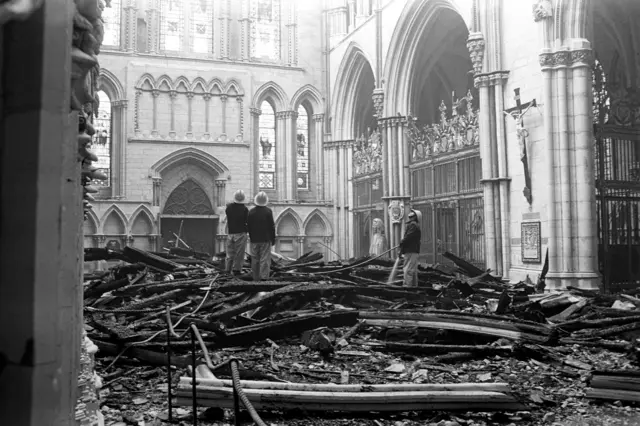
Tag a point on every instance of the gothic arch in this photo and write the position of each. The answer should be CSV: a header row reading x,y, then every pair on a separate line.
x,y
108,82
144,211
188,197
165,79
216,83
199,81
274,94
146,78
92,218
296,218
234,84
195,155
310,94
353,67
114,209
416,18
323,218
185,83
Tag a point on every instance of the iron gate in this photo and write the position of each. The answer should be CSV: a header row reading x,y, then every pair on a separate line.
x,y
617,149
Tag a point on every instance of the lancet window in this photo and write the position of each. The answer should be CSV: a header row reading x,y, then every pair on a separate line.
x,y
267,148
201,26
171,25
111,16
101,145
302,147
265,29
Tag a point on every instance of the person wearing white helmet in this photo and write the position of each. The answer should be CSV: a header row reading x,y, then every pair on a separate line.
x,y
410,248
237,219
262,233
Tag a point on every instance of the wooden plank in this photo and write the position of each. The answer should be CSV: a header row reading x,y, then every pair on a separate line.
x,y
361,408
415,387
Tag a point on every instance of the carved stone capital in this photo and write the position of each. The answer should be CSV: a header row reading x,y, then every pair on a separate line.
x,y
476,46
173,94
582,57
221,183
224,98
119,104
286,114
378,101
557,59
206,96
318,117
190,95
542,9
255,111
155,93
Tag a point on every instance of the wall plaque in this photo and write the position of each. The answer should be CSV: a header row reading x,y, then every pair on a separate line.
x,y
396,211
531,242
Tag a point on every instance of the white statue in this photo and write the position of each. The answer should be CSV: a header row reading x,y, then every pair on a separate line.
x,y
378,240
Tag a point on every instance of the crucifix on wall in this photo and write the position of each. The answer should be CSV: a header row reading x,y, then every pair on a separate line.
x,y
517,113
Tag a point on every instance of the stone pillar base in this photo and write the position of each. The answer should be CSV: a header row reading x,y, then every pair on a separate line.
x,y
559,281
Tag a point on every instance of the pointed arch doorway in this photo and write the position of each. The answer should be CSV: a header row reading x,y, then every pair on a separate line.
x,y
189,215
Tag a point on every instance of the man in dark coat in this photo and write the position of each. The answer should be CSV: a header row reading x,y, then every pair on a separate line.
x,y
262,233
410,248
237,217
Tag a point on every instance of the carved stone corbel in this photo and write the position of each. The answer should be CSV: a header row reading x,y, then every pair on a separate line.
x,y
542,9
476,46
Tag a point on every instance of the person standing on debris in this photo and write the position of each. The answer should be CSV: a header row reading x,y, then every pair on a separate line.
x,y
262,233
410,248
237,218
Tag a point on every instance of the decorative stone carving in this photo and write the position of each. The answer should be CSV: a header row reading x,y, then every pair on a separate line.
x,y
396,211
378,102
583,56
367,154
542,9
476,45
378,240
546,60
623,100
450,134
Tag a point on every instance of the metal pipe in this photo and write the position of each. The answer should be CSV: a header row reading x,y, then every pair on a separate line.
x,y
170,416
193,377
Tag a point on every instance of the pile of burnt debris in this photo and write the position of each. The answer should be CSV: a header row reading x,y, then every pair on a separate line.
x,y
336,336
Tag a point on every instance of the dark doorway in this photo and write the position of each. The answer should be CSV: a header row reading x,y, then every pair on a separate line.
x,y
198,233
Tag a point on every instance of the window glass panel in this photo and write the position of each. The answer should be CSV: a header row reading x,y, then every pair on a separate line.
x,y
302,140
111,17
172,25
265,29
101,145
201,26
267,162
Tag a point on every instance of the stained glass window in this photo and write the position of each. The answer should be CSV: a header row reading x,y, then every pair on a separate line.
x,y
265,29
201,26
111,17
302,147
101,145
171,25
267,161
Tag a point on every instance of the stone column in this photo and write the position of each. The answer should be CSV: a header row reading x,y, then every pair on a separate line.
x,y
486,155
119,147
207,101
223,99
225,21
349,185
130,22
245,32
286,163
318,152
587,273
503,178
155,94
153,26
190,115
292,31
220,197
136,113
328,241
255,150
241,118
352,15
300,239
172,130
157,191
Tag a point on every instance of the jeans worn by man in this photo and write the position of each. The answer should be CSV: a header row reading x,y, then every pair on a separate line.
x,y
262,232
237,219
410,248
